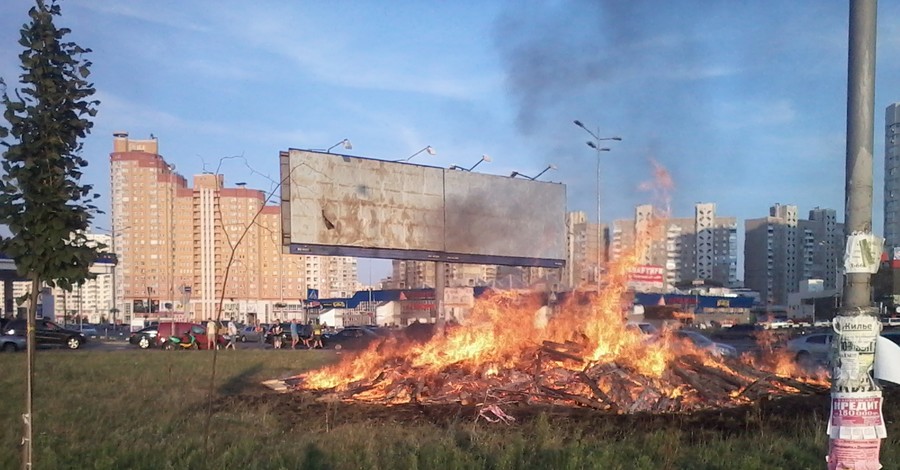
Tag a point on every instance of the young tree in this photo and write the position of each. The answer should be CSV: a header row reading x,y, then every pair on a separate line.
x,y
42,202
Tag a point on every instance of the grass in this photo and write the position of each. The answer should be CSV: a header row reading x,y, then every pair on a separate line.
x,y
147,409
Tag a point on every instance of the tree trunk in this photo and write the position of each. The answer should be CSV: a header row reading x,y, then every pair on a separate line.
x,y
28,417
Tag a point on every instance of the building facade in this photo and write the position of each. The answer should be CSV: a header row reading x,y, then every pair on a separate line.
x,y
408,274
781,250
587,251
892,178
703,247
190,249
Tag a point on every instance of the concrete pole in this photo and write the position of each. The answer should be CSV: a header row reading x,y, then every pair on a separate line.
x,y
855,440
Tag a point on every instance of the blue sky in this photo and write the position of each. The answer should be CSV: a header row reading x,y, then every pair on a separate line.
x,y
743,102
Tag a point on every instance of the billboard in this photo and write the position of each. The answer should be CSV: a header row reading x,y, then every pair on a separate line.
x,y
337,205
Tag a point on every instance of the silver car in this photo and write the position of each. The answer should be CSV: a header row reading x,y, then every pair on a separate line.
x,y
702,342
12,343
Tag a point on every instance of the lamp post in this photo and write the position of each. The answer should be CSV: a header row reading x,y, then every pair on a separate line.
x,y
595,144
428,148
345,143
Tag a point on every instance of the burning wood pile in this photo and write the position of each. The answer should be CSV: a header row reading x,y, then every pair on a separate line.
x,y
495,361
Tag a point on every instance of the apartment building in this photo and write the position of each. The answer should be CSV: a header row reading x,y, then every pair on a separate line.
x,y
192,248
688,249
587,251
408,274
892,178
782,250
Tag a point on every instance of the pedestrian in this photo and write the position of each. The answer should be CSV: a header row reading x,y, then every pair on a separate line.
x,y
210,334
295,335
276,334
306,336
232,335
317,335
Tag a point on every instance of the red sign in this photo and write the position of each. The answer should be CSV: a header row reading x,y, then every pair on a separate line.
x,y
856,411
647,274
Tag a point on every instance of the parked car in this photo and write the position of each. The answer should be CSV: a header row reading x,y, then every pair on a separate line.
x,y
250,333
706,344
144,338
180,329
47,333
891,322
305,331
810,349
351,337
89,331
740,330
10,343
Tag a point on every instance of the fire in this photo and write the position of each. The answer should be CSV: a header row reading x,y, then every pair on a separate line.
x,y
586,354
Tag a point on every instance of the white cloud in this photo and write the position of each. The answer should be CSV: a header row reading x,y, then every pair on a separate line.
x,y
179,18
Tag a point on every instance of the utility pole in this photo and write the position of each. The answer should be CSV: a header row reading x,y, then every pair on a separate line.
x,y
855,441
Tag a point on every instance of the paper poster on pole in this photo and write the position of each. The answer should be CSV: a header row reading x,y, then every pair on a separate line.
x,y
855,353
863,253
856,415
858,454
887,360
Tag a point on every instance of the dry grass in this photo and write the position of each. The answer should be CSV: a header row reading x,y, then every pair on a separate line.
x,y
147,409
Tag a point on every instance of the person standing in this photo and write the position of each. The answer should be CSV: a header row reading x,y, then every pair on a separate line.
x,y
295,335
276,334
232,335
210,334
317,335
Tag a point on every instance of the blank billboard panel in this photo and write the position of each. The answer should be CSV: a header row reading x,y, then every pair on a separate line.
x,y
339,205
360,202
501,216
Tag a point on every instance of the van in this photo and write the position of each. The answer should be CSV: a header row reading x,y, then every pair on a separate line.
x,y
180,329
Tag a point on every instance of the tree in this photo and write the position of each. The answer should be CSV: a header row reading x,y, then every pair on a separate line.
x,y
45,207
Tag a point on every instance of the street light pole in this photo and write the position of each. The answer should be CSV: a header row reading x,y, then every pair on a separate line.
x,y
595,144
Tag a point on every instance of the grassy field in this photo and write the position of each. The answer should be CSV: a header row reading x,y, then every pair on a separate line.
x,y
148,409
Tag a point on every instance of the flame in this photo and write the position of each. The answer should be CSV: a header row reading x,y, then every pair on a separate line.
x,y
498,340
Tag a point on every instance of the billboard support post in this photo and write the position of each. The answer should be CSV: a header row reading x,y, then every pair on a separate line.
x,y
440,279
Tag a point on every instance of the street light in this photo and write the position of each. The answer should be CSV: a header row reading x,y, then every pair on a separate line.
x,y
345,143
484,158
429,149
595,144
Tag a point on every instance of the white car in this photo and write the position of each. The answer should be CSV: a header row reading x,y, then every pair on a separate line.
x,y
811,349
891,322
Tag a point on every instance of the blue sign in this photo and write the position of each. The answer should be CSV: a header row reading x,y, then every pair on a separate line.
x,y
312,294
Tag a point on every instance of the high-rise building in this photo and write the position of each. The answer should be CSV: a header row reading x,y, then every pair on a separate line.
x,y
703,247
409,274
782,250
205,245
892,178
586,251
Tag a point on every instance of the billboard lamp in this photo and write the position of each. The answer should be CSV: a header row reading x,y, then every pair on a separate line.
x,y
429,149
345,143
